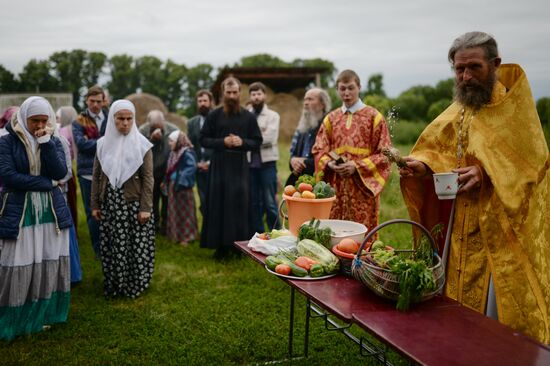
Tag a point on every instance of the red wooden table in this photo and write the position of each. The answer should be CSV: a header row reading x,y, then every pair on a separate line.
x,y
436,332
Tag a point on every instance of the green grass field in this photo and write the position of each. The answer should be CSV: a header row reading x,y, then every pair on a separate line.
x,y
197,312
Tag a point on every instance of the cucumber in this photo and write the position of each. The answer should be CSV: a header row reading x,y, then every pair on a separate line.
x,y
272,261
295,270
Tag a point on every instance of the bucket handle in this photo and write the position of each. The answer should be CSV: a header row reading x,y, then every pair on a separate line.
x,y
282,214
390,222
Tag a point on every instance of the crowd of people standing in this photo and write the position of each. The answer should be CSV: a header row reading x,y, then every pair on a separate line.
x,y
136,183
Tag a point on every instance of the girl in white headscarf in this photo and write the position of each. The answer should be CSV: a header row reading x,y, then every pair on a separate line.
x,y
34,223
122,199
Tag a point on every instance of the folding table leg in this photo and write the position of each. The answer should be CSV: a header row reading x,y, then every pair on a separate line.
x,y
306,336
291,327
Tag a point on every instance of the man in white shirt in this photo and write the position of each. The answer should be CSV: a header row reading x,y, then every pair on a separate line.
x,y
263,163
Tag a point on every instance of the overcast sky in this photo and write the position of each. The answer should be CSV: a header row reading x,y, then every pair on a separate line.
x,y
405,40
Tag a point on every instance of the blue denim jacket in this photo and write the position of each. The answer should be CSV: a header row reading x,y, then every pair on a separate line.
x,y
184,176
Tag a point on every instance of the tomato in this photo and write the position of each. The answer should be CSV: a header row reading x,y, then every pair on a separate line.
x,y
348,245
283,269
308,195
305,187
289,190
263,236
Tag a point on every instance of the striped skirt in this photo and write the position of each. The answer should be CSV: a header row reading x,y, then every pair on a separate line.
x,y
34,273
182,219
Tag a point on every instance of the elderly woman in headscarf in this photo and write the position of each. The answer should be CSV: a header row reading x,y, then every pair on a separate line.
x,y
122,199
34,223
6,117
179,182
68,187
65,117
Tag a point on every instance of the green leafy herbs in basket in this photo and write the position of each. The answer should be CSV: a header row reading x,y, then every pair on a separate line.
x,y
314,232
415,275
414,279
424,250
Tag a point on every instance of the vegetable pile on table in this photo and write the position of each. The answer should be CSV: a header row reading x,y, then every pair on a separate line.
x,y
307,187
415,275
309,258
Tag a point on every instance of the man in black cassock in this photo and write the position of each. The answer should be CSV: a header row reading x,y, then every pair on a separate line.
x,y
231,131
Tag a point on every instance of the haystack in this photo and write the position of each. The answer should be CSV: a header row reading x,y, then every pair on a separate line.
x,y
145,103
288,105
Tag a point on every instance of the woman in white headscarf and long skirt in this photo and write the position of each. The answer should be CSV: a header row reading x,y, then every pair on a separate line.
x,y
34,223
122,199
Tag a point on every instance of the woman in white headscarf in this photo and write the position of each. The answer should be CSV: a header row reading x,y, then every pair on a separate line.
x,y
180,179
122,199
34,223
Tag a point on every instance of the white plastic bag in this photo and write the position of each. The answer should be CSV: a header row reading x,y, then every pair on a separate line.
x,y
272,246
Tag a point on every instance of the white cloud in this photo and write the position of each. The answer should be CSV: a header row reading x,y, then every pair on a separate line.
x,y
405,40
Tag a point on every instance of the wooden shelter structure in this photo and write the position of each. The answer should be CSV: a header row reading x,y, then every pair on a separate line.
x,y
278,79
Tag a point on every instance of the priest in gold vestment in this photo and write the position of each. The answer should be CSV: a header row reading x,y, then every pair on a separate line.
x,y
491,135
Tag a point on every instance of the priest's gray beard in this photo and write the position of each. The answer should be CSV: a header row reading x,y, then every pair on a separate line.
x,y
475,94
308,120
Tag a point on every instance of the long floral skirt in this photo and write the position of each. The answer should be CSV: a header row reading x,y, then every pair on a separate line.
x,y
127,247
182,219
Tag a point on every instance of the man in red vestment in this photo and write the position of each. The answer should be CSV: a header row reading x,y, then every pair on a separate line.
x,y
356,133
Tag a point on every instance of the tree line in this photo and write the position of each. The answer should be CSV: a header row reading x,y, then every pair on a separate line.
x,y
176,84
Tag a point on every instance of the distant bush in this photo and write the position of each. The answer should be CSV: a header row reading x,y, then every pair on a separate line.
x,y
543,108
546,130
406,132
437,108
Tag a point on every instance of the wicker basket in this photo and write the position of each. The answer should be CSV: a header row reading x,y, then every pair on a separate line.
x,y
383,281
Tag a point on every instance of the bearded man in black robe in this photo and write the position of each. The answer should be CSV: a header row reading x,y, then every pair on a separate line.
x,y
231,131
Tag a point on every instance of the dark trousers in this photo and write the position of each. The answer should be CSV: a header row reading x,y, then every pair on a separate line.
x,y
93,225
160,203
263,189
202,185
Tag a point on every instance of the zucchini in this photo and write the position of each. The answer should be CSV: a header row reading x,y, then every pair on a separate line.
x,y
317,252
